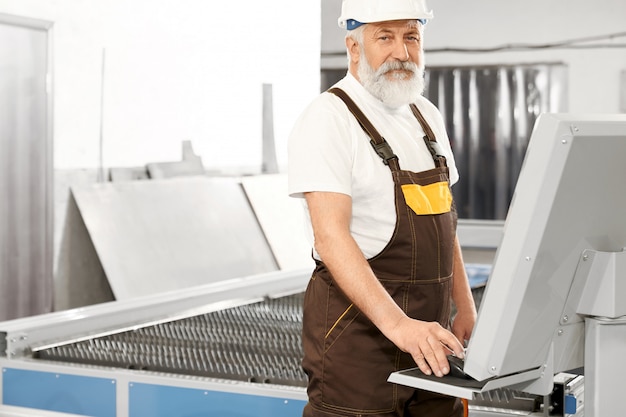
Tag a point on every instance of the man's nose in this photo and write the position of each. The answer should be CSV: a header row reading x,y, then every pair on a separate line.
x,y
400,51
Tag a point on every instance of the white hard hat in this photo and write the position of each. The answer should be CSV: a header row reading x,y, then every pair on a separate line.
x,y
356,12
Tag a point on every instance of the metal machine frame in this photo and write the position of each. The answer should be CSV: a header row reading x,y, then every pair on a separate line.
x,y
113,392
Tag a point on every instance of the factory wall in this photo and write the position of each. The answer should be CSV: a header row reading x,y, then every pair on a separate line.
x,y
132,80
177,71
595,76
173,71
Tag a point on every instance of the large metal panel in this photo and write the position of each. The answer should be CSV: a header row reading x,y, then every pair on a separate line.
x,y
282,219
162,235
25,169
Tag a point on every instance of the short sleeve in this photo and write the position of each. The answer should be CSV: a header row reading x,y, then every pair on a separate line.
x,y
320,150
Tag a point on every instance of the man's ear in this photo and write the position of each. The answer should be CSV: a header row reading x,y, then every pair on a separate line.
x,y
353,50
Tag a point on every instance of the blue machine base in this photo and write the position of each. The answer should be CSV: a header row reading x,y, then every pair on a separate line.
x,y
96,397
88,396
147,400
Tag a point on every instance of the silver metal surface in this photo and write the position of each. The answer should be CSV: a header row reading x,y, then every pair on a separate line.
x,y
79,279
21,336
481,234
605,368
505,400
26,171
605,284
282,219
259,342
162,235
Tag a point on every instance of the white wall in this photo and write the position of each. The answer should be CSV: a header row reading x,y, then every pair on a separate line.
x,y
594,74
175,70
193,70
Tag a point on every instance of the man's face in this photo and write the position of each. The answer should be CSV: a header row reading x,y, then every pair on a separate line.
x,y
398,40
388,61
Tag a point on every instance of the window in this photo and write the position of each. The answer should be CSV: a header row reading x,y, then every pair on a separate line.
x,y
489,112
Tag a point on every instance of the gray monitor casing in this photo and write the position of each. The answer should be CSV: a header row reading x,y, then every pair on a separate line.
x,y
570,198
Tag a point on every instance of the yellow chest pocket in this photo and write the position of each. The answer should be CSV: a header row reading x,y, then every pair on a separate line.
x,y
433,198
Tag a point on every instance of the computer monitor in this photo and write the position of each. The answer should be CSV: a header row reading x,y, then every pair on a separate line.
x,y
569,203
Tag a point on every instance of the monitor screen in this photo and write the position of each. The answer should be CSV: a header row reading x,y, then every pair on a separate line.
x,y
570,198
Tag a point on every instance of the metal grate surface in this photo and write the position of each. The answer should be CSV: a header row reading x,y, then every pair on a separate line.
x,y
259,342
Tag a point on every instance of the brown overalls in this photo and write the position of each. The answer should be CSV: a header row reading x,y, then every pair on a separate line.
x,y
346,358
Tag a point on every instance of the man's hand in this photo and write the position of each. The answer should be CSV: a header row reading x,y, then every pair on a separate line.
x,y
428,343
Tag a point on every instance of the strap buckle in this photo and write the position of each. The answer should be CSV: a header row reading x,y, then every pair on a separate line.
x,y
436,151
384,151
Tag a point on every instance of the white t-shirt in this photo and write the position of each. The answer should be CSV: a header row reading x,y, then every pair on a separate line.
x,y
329,151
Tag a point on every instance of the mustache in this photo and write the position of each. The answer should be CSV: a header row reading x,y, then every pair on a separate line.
x,y
397,66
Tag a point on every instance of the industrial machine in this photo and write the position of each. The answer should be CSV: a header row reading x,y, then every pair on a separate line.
x,y
230,348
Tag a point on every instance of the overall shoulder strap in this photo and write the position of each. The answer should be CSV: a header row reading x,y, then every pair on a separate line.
x,y
429,138
379,143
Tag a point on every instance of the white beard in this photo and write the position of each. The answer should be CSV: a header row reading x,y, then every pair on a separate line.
x,y
399,91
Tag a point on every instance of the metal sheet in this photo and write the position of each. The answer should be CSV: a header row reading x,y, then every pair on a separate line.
x,y
259,342
162,235
83,283
282,219
26,223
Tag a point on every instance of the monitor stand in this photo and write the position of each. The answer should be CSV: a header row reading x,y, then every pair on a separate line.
x,y
603,303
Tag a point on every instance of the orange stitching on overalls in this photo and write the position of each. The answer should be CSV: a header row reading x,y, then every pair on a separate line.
x,y
357,412
425,178
323,354
337,321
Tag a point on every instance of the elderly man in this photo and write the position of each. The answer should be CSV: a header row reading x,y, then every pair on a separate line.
x,y
373,162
